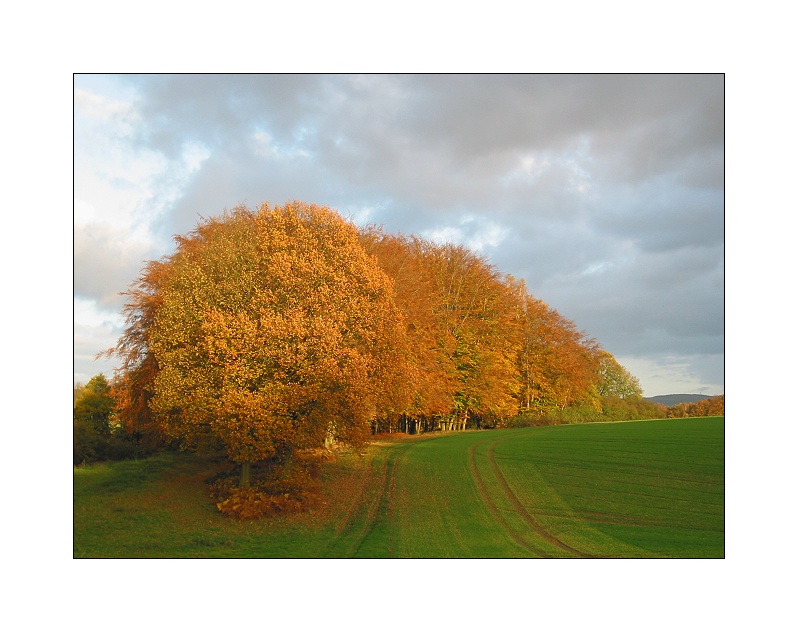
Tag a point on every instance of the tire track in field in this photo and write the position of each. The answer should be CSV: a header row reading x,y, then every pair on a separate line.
x,y
527,517
378,508
362,505
579,478
383,507
485,496
649,471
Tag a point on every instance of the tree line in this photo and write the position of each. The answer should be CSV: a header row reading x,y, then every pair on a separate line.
x,y
281,329
710,407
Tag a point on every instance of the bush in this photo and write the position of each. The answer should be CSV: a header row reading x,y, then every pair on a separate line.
x,y
613,409
90,445
96,433
250,503
274,488
529,420
635,407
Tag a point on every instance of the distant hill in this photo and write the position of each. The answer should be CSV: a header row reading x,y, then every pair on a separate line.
x,y
681,398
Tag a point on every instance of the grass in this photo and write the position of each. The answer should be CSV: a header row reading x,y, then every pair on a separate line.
x,y
637,489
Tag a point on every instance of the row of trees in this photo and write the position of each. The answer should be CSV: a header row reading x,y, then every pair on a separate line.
x,y
710,407
481,348
96,433
280,329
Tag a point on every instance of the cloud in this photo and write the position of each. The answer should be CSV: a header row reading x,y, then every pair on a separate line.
x,y
669,373
95,330
475,233
106,262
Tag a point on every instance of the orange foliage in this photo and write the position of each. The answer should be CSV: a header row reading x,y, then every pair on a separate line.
x,y
559,364
482,346
462,327
431,381
133,386
711,407
272,330
277,329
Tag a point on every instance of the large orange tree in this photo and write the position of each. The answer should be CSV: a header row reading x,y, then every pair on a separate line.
x,y
268,331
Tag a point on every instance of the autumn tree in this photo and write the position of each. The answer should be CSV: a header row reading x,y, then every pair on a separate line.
x,y
482,346
557,362
94,406
269,330
476,311
96,433
134,383
614,380
712,406
430,344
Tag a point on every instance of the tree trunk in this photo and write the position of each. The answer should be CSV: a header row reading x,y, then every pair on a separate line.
x,y
246,468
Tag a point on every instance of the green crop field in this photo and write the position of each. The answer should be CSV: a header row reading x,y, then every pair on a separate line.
x,y
645,489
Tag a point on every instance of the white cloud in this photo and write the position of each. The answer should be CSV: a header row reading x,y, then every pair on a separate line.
x,y
90,314
490,235
121,191
95,330
474,232
101,108
444,235
596,268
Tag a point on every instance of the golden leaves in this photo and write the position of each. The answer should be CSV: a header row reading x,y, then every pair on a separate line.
x,y
274,327
271,325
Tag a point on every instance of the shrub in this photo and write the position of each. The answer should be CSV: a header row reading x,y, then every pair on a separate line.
x,y
274,489
249,503
90,445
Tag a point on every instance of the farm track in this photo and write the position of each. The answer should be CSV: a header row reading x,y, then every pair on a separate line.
x,y
639,521
488,501
355,510
527,517
637,472
373,509
384,505
369,526
576,479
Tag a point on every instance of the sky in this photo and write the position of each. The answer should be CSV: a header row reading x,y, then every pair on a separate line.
x,y
604,192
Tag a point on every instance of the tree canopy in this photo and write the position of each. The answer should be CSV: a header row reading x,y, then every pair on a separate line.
x,y
279,328
97,435
274,331
615,380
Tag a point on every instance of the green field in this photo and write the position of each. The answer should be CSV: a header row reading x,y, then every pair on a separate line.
x,y
645,489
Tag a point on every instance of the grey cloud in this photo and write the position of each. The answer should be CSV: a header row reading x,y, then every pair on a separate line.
x,y
213,109
658,302
88,342
105,263
659,217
